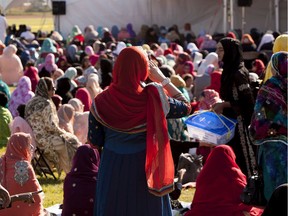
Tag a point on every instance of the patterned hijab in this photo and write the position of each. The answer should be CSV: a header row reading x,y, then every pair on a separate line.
x,y
18,176
42,88
40,100
279,63
21,95
270,112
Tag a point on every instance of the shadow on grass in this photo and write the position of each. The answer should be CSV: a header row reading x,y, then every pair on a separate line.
x,y
49,180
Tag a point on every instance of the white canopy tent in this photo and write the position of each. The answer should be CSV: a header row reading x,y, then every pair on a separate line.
x,y
8,4
210,15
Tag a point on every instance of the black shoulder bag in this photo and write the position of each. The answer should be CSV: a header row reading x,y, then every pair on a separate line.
x,y
253,193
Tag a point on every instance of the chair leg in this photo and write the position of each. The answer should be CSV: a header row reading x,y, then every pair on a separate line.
x,y
38,158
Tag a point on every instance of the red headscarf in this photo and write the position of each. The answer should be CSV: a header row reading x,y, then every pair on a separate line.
x,y
83,95
231,35
260,67
219,185
32,73
126,106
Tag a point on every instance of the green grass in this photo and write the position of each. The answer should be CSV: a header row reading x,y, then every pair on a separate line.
x,y
53,189
37,21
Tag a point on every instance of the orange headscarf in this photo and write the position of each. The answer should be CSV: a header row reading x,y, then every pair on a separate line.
x,y
247,39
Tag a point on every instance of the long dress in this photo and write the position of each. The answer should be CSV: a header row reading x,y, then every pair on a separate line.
x,y
235,89
122,186
59,146
269,127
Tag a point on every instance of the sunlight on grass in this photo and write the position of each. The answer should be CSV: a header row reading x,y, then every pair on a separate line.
x,y
53,189
187,195
43,21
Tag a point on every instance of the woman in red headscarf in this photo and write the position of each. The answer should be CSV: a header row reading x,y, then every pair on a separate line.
x,y
220,170
127,122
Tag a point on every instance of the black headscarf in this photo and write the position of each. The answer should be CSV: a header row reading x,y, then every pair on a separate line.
x,y
106,66
232,62
63,89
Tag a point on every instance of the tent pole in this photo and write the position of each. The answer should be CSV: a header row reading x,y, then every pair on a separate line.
x,y
224,16
231,15
276,6
243,20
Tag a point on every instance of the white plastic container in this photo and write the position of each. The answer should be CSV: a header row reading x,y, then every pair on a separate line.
x,y
209,127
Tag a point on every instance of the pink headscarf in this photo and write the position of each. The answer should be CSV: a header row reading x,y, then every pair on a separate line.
x,y
18,176
20,125
209,97
80,125
66,114
21,95
11,66
93,58
93,85
49,63
191,66
83,95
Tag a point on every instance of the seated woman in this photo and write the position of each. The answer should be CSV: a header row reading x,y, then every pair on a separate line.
x,y
6,119
17,175
80,125
19,124
66,114
80,182
59,146
220,170
21,95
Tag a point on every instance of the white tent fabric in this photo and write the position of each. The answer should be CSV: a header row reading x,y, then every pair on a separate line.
x,y
7,4
202,15
121,12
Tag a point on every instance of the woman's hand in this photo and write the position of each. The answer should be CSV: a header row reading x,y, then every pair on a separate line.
x,y
218,107
155,74
205,144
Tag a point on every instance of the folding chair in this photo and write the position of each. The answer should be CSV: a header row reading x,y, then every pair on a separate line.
x,y
39,162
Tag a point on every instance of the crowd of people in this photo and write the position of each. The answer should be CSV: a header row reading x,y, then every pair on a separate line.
x,y
107,108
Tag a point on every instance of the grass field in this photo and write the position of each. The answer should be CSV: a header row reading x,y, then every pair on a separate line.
x,y
38,21
53,189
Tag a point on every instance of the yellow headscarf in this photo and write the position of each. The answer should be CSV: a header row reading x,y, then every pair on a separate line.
x,y
280,44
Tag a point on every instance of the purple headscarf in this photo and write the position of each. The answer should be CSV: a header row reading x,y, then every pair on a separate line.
x,y
80,182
